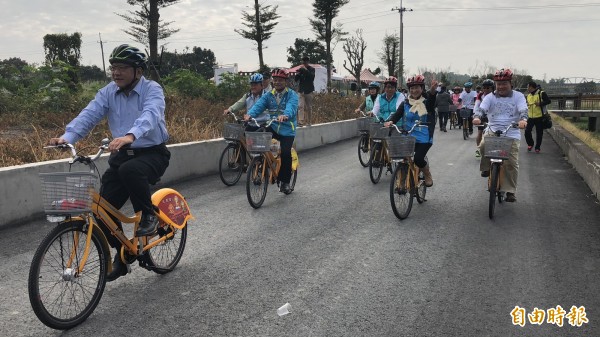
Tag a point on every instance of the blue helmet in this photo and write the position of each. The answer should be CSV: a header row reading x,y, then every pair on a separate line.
x,y
374,85
256,78
468,85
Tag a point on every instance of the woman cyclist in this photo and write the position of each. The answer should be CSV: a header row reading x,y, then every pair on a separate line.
x,y
369,101
388,102
249,98
418,107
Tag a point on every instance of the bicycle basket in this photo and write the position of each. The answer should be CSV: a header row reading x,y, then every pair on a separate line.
x,y
377,131
464,113
401,146
497,147
258,141
363,123
67,192
233,131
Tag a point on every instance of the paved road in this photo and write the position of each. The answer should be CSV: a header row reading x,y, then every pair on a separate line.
x,y
334,250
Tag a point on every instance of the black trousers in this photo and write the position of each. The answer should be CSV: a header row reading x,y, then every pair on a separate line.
x,y
539,132
129,176
443,116
285,172
421,150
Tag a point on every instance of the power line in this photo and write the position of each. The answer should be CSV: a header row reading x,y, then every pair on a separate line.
x,y
556,6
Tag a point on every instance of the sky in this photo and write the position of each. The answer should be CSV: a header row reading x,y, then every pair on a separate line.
x,y
546,39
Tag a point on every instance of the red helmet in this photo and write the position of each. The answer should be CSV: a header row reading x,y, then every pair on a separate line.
x,y
415,80
391,80
278,72
503,75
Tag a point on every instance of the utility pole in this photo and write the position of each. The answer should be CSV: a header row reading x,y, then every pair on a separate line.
x,y
102,50
401,10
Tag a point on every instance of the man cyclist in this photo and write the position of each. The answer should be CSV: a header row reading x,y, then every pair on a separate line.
x,y
467,100
282,103
486,87
503,108
135,109
369,102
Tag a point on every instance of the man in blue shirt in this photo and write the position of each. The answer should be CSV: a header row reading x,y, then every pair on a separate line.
x,y
135,109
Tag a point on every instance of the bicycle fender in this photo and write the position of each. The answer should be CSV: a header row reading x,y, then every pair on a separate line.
x,y
173,208
295,161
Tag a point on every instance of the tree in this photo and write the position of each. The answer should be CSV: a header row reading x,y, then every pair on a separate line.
x,y
389,53
91,73
63,47
260,26
354,48
199,61
147,27
306,47
586,87
324,12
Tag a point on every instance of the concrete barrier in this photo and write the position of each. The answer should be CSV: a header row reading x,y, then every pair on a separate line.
x,y
585,160
20,195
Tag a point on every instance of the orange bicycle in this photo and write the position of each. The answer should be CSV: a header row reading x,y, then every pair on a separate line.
x,y
68,271
234,158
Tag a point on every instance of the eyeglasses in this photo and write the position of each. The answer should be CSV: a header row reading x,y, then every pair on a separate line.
x,y
119,68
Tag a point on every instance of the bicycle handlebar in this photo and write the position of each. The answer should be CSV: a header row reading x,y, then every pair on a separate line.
x,y
500,131
80,158
402,131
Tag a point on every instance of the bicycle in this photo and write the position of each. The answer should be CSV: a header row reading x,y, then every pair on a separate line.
x,y
407,181
379,154
364,143
453,116
68,272
497,148
465,114
265,164
234,158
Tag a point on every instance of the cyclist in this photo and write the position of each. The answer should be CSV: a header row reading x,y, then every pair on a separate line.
x,y
388,102
135,109
248,99
369,101
418,106
266,81
504,107
486,87
455,96
467,100
281,102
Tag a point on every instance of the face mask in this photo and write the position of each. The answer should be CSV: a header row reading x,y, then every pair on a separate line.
x,y
438,89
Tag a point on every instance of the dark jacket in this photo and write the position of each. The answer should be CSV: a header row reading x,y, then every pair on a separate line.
x,y
443,101
305,78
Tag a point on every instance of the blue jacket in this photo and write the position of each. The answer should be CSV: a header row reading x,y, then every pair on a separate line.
x,y
288,106
407,119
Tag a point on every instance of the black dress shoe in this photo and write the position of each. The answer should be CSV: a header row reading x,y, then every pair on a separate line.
x,y
148,225
285,188
485,174
118,269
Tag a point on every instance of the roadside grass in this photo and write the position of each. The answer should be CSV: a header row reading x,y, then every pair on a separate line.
x,y
22,137
579,130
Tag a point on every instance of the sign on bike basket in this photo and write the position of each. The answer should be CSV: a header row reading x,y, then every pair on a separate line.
x,y
233,131
363,123
497,147
258,141
67,192
401,146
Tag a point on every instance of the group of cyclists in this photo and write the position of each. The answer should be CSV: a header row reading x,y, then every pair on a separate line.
x,y
494,107
134,108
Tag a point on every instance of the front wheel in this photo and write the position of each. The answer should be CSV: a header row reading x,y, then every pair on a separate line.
x,y
364,154
401,190
493,187
60,295
231,164
257,182
165,256
376,163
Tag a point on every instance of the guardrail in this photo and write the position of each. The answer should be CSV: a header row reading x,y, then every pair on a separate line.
x,y
592,115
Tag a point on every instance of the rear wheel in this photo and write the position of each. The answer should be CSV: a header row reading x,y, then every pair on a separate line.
x,y
421,188
364,154
465,128
231,164
401,189
293,180
257,181
493,186
376,163
60,295
165,256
